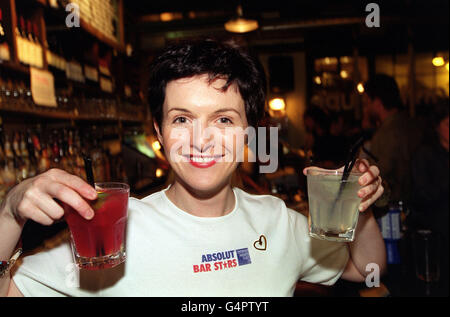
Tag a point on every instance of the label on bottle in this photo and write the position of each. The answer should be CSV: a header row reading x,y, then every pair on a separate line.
x,y
22,50
106,84
4,52
127,91
91,73
395,224
74,71
42,87
392,252
390,225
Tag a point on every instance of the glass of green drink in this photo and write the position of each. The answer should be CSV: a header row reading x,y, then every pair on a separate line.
x,y
333,204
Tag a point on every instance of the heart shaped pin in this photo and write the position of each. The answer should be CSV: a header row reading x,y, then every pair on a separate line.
x,y
261,243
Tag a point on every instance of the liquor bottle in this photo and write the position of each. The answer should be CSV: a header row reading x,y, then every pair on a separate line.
x,y
97,160
62,146
9,171
44,160
19,164
7,174
38,47
55,160
79,162
32,170
22,47
30,44
4,47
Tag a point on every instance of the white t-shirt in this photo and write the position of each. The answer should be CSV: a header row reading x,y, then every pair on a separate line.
x,y
261,248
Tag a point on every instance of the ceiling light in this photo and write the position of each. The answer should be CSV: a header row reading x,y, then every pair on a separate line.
x,y
277,104
344,74
240,24
438,61
317,80
360,88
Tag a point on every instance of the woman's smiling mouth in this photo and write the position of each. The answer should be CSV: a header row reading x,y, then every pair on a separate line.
x,y
203,161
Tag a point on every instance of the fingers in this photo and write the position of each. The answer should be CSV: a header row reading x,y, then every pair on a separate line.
x,y
370,188
371,174
67,195
362,165
74,182
34,198
43,202
30,211
370,199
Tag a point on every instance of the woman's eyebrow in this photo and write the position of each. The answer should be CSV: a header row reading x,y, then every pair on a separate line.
x,y
227,110
179,109
222,110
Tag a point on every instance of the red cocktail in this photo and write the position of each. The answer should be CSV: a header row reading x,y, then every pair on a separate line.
x,y
100,242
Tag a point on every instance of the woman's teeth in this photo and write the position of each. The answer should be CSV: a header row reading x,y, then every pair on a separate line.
x,y
198,159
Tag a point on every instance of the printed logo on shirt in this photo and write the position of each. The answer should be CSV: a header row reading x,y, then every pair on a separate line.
x,y
223,260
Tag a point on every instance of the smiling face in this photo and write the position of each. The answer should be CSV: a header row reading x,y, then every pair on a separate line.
x,y
202,131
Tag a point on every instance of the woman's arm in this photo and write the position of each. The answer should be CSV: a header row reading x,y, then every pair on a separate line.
x,y
10,230
34,199
367,248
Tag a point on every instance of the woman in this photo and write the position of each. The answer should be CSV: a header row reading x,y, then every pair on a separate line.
x,y
200,236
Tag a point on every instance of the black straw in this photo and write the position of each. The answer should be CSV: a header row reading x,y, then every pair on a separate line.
x,y
351,158
349,163
88,169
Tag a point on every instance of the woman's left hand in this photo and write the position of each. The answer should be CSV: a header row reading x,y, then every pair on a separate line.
x,y
370,182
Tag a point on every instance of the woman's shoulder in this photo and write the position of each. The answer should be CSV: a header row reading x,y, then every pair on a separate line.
x,y
152,201
257,198
265,203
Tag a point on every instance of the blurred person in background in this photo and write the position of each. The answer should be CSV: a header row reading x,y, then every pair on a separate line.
x,y
396,136
430,168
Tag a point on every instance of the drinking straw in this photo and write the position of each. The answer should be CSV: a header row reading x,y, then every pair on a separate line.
x,y
88,169
351,158
349,163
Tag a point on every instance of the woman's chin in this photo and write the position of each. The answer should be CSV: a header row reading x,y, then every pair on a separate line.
x,y
204,186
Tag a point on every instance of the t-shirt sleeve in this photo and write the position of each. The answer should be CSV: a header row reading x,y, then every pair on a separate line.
x,y
323,262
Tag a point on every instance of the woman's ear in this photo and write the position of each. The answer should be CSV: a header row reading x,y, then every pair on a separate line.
x,y
158,132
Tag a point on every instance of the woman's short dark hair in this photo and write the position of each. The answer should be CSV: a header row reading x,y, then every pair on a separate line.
x,y
216,59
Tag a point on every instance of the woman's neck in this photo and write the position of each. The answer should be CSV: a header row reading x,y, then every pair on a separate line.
x,y
211,204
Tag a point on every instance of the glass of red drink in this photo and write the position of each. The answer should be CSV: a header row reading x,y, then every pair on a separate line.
x,y
99,243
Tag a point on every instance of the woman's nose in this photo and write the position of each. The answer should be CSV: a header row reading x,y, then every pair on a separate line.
x,y
202,138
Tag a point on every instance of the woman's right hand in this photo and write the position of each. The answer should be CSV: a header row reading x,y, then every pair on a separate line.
x,y
34,197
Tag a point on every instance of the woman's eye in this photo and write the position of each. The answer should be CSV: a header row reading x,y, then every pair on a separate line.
x,y
225,120
180,120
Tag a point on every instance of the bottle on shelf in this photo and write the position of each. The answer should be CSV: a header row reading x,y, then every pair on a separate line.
x,y
27,152
22,48
9,170
4,46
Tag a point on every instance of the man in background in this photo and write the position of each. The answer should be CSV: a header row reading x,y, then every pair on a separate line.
x,y
396,136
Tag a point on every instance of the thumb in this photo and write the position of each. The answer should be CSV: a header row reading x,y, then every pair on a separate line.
x,y
305,170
